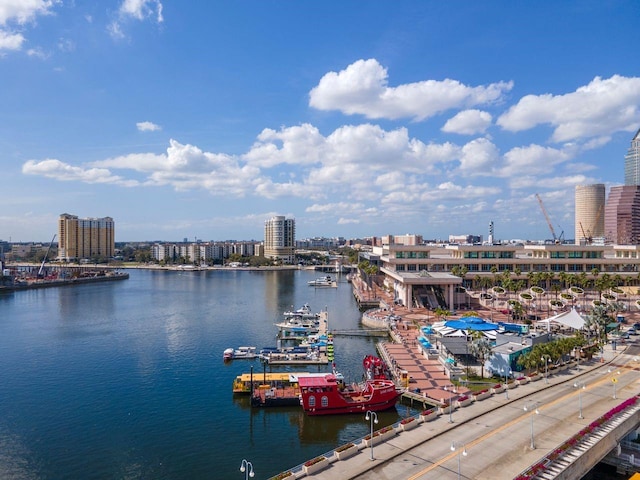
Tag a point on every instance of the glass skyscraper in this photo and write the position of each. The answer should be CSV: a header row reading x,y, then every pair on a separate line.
x,y
632,162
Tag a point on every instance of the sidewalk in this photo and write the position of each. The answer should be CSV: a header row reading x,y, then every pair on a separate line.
x,y
403,441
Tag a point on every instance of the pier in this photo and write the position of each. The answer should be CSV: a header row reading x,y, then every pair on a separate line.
x,y
323,355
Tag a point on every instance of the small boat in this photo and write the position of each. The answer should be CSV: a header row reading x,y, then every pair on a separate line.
x,y
227,355
239,353
326,281
298,324
328,395
303,312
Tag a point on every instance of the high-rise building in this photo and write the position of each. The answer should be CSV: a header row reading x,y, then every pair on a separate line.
x,y
80,238
280,238
622,215
632,162
589,221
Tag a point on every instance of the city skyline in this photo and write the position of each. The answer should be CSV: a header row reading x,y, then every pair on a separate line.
x,y
203,120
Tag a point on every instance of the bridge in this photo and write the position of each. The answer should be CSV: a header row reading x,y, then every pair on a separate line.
x,y
369,332
541,430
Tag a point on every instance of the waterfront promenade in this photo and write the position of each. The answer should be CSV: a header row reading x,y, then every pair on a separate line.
x,y
500,438
498,424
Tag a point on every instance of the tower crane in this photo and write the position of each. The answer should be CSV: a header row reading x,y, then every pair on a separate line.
x,y
556,239
595,224
41,270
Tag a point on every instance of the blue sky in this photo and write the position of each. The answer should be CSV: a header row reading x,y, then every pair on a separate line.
x,y
201,119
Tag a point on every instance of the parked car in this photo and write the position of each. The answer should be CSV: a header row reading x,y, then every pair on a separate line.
x,y
636,326
632,331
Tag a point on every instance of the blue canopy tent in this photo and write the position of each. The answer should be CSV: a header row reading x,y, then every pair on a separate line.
x,y
471,323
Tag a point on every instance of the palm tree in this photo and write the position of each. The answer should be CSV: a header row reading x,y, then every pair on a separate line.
x,y
597,323
441,312
480,348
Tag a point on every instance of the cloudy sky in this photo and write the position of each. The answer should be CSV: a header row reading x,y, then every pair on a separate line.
x,y
202,119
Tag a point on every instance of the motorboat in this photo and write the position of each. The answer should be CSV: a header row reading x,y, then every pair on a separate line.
x,y
239,353
303,312
326,281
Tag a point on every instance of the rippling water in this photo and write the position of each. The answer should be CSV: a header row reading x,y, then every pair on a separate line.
x,y
125,380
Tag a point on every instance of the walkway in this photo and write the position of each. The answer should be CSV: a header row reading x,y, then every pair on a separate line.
x,y
497,433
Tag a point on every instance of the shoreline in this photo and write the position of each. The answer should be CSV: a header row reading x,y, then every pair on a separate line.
x,y
63,282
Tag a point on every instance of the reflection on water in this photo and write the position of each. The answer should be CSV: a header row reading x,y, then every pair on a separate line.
x,y
126,380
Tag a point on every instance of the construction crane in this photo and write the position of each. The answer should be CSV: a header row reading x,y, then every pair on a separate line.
x,y
40,272
588,235
595,224
556,239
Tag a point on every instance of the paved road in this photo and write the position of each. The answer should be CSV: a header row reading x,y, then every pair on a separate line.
x,y
496,432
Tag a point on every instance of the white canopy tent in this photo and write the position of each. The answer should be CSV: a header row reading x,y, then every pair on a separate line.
x,y
571,319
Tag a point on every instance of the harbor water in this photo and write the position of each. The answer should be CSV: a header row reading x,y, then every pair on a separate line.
x,y
125,380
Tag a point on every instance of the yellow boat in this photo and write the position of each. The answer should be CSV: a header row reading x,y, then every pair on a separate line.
x,y
242,383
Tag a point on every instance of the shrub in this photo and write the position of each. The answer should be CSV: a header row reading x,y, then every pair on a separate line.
x,y
342,448
315,460
283,475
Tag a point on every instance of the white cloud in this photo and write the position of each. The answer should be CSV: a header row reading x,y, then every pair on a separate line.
x,y
532,160
23,11
115,31
452,191
599,109
479,157
148,127
38,53
58,170
11,41
66,45
20,12
141,9
468,122
361,163
362,88
342,207
186,167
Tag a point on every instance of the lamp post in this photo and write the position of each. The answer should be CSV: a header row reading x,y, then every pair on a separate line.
x,y
373,416
546,359
527,408
446,389
580,386
247,469
506,372
454,447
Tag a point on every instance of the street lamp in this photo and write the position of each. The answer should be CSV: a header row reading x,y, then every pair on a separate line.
x,y
506,372
446,389
247,469
373,416
580,386
456,445
537,412
546,360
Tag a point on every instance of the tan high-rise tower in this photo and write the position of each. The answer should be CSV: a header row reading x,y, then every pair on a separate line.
x,y
280,239
590,200
85,237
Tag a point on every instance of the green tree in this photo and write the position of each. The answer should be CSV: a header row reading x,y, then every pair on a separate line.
x,y
480,348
